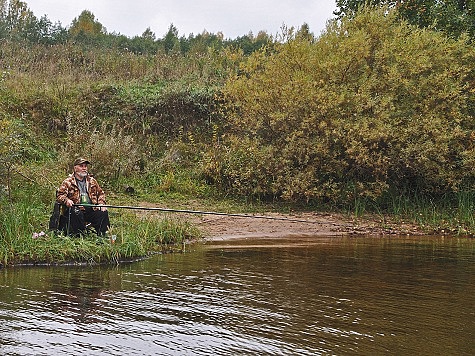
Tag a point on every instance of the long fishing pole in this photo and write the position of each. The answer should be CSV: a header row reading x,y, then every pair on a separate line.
x,y
198,212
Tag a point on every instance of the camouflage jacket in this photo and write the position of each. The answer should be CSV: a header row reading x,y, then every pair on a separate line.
x,y
70,190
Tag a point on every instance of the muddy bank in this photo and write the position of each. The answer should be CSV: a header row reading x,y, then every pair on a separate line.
x,y
293,224
308,224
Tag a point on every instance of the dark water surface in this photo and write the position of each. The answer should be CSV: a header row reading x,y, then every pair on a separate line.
x,y
299,296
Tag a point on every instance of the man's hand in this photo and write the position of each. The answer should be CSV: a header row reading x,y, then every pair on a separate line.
x,y
103,208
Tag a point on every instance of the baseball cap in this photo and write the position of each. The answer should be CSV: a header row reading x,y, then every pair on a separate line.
x,y
81,161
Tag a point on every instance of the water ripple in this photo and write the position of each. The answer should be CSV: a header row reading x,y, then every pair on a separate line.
x,y
371,296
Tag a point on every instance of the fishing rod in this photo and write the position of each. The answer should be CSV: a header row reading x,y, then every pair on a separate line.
x,y
198,212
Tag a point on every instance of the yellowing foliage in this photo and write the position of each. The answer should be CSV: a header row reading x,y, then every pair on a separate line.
x,y
373,105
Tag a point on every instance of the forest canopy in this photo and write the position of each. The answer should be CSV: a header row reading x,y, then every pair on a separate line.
x,y
18,23
453,17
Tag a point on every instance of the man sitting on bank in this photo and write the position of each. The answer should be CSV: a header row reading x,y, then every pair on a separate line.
x,y
81,188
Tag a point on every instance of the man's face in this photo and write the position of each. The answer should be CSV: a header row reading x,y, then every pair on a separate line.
x,y
80,170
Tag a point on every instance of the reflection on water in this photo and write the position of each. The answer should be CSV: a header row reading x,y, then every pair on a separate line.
x,y
262,296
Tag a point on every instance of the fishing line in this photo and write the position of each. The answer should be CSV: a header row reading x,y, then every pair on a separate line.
x,y
198,212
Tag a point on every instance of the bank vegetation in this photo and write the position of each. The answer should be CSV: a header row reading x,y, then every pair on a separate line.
x,y
373,115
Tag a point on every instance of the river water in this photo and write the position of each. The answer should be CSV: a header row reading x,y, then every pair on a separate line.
x,y
298,296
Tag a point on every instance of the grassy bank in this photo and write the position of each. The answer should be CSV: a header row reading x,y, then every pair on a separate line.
x,y
25,240
373,117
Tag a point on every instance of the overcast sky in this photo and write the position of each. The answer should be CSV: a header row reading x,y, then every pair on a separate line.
x,y
233,18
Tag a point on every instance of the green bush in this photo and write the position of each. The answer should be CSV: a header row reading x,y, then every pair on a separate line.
x,y
372,106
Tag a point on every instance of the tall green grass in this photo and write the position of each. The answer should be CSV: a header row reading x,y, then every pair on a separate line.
x,y
450,213
25,240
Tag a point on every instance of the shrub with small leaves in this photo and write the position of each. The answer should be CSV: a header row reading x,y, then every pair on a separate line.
x,y
373,105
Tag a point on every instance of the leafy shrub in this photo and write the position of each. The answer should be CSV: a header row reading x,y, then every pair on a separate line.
x,y
374,105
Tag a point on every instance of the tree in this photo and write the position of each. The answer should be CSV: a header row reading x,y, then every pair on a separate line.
x,y
249,44
349,8
144,44
453,17
87,25
16,20
205,41
304,32
170,41
148,34
18,23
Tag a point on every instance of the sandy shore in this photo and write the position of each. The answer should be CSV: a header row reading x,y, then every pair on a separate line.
x,y
301,224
